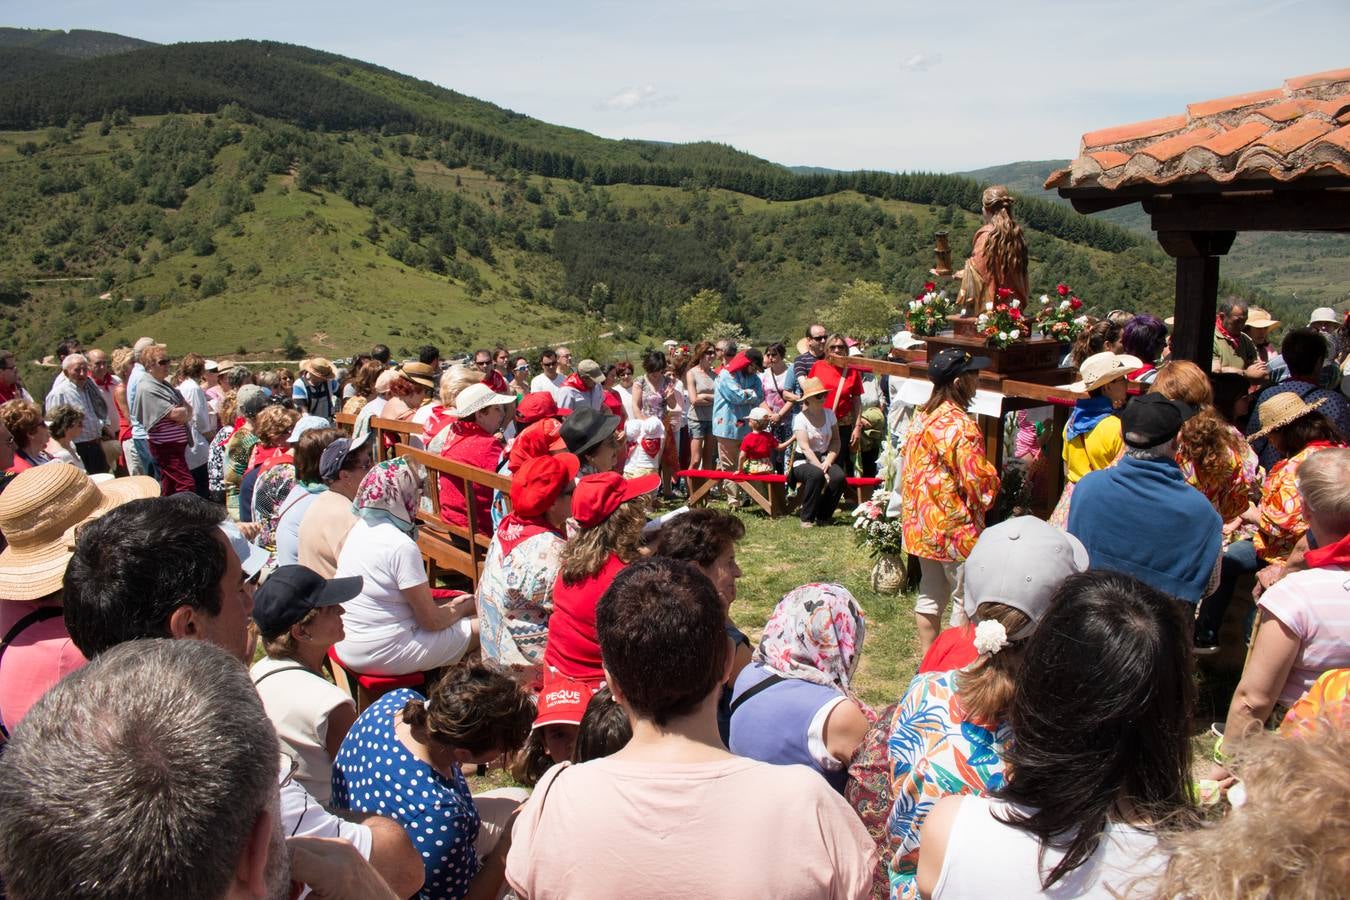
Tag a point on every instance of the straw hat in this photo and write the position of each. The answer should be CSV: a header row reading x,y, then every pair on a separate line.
x,y
318,367
811,387
39,512
1282,409
1099,369
476,397
420,373
1259,318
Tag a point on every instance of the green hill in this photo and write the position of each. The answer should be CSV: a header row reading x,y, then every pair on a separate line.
x,y
1303,269
77,43
246,197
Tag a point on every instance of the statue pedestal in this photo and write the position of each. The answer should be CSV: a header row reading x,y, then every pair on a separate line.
x,y
1035,360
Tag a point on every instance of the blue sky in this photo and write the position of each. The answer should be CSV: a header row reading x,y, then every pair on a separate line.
x,y
902,85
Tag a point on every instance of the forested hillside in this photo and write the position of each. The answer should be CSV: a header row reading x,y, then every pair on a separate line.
x,y
293,199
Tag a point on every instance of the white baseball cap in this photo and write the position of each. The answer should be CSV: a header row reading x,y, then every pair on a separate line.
x,y
1021,562
1324,314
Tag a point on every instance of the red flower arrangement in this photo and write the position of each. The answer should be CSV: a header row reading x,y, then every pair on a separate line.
x,y
1003,321
928,311
1061,319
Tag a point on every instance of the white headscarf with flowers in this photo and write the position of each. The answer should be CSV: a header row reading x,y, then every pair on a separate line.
x,y
815,634
390,493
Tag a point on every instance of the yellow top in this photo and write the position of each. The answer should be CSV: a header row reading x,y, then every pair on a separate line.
x,y
1097,449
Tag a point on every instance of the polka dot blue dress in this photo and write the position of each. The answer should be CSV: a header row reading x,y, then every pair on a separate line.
x,y
375,773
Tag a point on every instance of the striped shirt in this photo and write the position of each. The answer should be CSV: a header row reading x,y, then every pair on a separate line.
x,y
1315,606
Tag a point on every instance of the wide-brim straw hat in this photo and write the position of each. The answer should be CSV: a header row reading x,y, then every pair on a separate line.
x,y
39,513
420,373
1282,409
318,367
811,387
1099,369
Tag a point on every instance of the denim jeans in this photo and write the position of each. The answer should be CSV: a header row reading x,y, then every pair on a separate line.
x,y
1239,558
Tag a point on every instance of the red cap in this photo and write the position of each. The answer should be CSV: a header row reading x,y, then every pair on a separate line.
x,y
597,496
536,406
539,482
540,439
562,701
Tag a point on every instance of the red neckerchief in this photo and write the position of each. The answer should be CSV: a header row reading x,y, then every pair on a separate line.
x,y
1223,332
1142,370
264,456
574,381
106,384
515,530
8,392
1335,554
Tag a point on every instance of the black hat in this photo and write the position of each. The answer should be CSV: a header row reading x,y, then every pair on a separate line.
x,y
1152,420
291,592
586,427
951,363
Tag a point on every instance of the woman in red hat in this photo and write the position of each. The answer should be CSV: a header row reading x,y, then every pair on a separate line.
x,y
610,512
515,589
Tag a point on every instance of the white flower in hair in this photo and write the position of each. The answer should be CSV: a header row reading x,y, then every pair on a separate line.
x,y
990,637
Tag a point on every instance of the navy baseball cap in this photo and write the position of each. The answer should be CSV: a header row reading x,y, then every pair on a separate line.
x,y
947,365
292,591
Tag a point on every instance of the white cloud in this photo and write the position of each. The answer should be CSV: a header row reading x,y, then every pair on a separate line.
x,y
920,62
634,97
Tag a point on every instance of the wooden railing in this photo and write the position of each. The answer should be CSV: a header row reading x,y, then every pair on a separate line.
x,y
446,547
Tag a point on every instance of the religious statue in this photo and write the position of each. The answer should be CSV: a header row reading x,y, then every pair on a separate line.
x,y
998,258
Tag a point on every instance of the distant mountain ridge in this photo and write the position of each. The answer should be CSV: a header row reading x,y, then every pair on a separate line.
x,y
78,43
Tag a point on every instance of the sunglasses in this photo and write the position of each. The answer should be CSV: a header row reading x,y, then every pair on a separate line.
x,y
838,346
163,362
815,337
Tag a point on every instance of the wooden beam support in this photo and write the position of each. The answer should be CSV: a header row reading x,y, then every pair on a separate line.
x,y
1279,210
1197,254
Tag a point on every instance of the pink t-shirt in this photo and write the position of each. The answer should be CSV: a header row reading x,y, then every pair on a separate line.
x,y
41,655
729,828
1315,606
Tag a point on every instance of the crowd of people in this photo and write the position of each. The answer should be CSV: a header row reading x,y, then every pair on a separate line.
x,y
193,545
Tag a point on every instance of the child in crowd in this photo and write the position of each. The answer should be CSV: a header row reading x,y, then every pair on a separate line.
x,y
757,447
562,704
605,728
646,439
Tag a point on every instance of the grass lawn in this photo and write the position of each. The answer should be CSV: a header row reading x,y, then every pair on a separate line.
x,y
778,555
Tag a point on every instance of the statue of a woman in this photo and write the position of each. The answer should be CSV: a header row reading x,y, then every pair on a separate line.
x,y
998,258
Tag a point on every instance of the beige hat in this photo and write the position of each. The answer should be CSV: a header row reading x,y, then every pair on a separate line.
x,y
420,373
1282,409
317,366
1324,314
810,387
1099,369
225,365
1259,318
39,512
589,368
478,396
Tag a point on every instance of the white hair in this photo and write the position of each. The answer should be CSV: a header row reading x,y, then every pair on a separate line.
x,y
73,360
1165,450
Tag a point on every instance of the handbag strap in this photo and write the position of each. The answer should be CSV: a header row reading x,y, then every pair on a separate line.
x,y
266,675
752,691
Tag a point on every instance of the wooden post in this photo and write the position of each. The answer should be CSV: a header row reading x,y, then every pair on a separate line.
x,y
1197,254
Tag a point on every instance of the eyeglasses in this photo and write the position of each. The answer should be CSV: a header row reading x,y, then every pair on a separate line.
x,y
838,346
292,767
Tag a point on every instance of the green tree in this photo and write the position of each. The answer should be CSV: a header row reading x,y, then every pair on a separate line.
x,y
862,309
290,347
699,313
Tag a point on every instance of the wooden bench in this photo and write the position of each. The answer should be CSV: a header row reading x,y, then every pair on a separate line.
x,y
767,491
446,547
390,433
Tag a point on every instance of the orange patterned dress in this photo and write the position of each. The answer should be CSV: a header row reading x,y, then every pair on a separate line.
x,y
1229,485
947,485
1281,509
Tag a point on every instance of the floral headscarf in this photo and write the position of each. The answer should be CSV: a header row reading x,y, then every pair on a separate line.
x,y
815,634
390,492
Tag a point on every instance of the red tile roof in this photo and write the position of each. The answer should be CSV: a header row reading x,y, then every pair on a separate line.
x,y
1297,130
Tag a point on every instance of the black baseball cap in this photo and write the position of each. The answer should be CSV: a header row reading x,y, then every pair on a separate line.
x,y
953,362
292,591
1153,419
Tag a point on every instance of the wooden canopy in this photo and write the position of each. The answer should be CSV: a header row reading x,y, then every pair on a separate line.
x,y
1276,160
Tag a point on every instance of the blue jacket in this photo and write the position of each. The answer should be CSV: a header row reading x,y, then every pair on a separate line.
x,y
1140,517
734,395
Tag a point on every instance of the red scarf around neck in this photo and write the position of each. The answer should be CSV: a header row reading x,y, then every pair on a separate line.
x,y
1223,332
1334,554
515,530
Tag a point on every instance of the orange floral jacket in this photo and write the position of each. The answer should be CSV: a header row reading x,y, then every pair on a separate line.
x,y
1281,509
947,485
